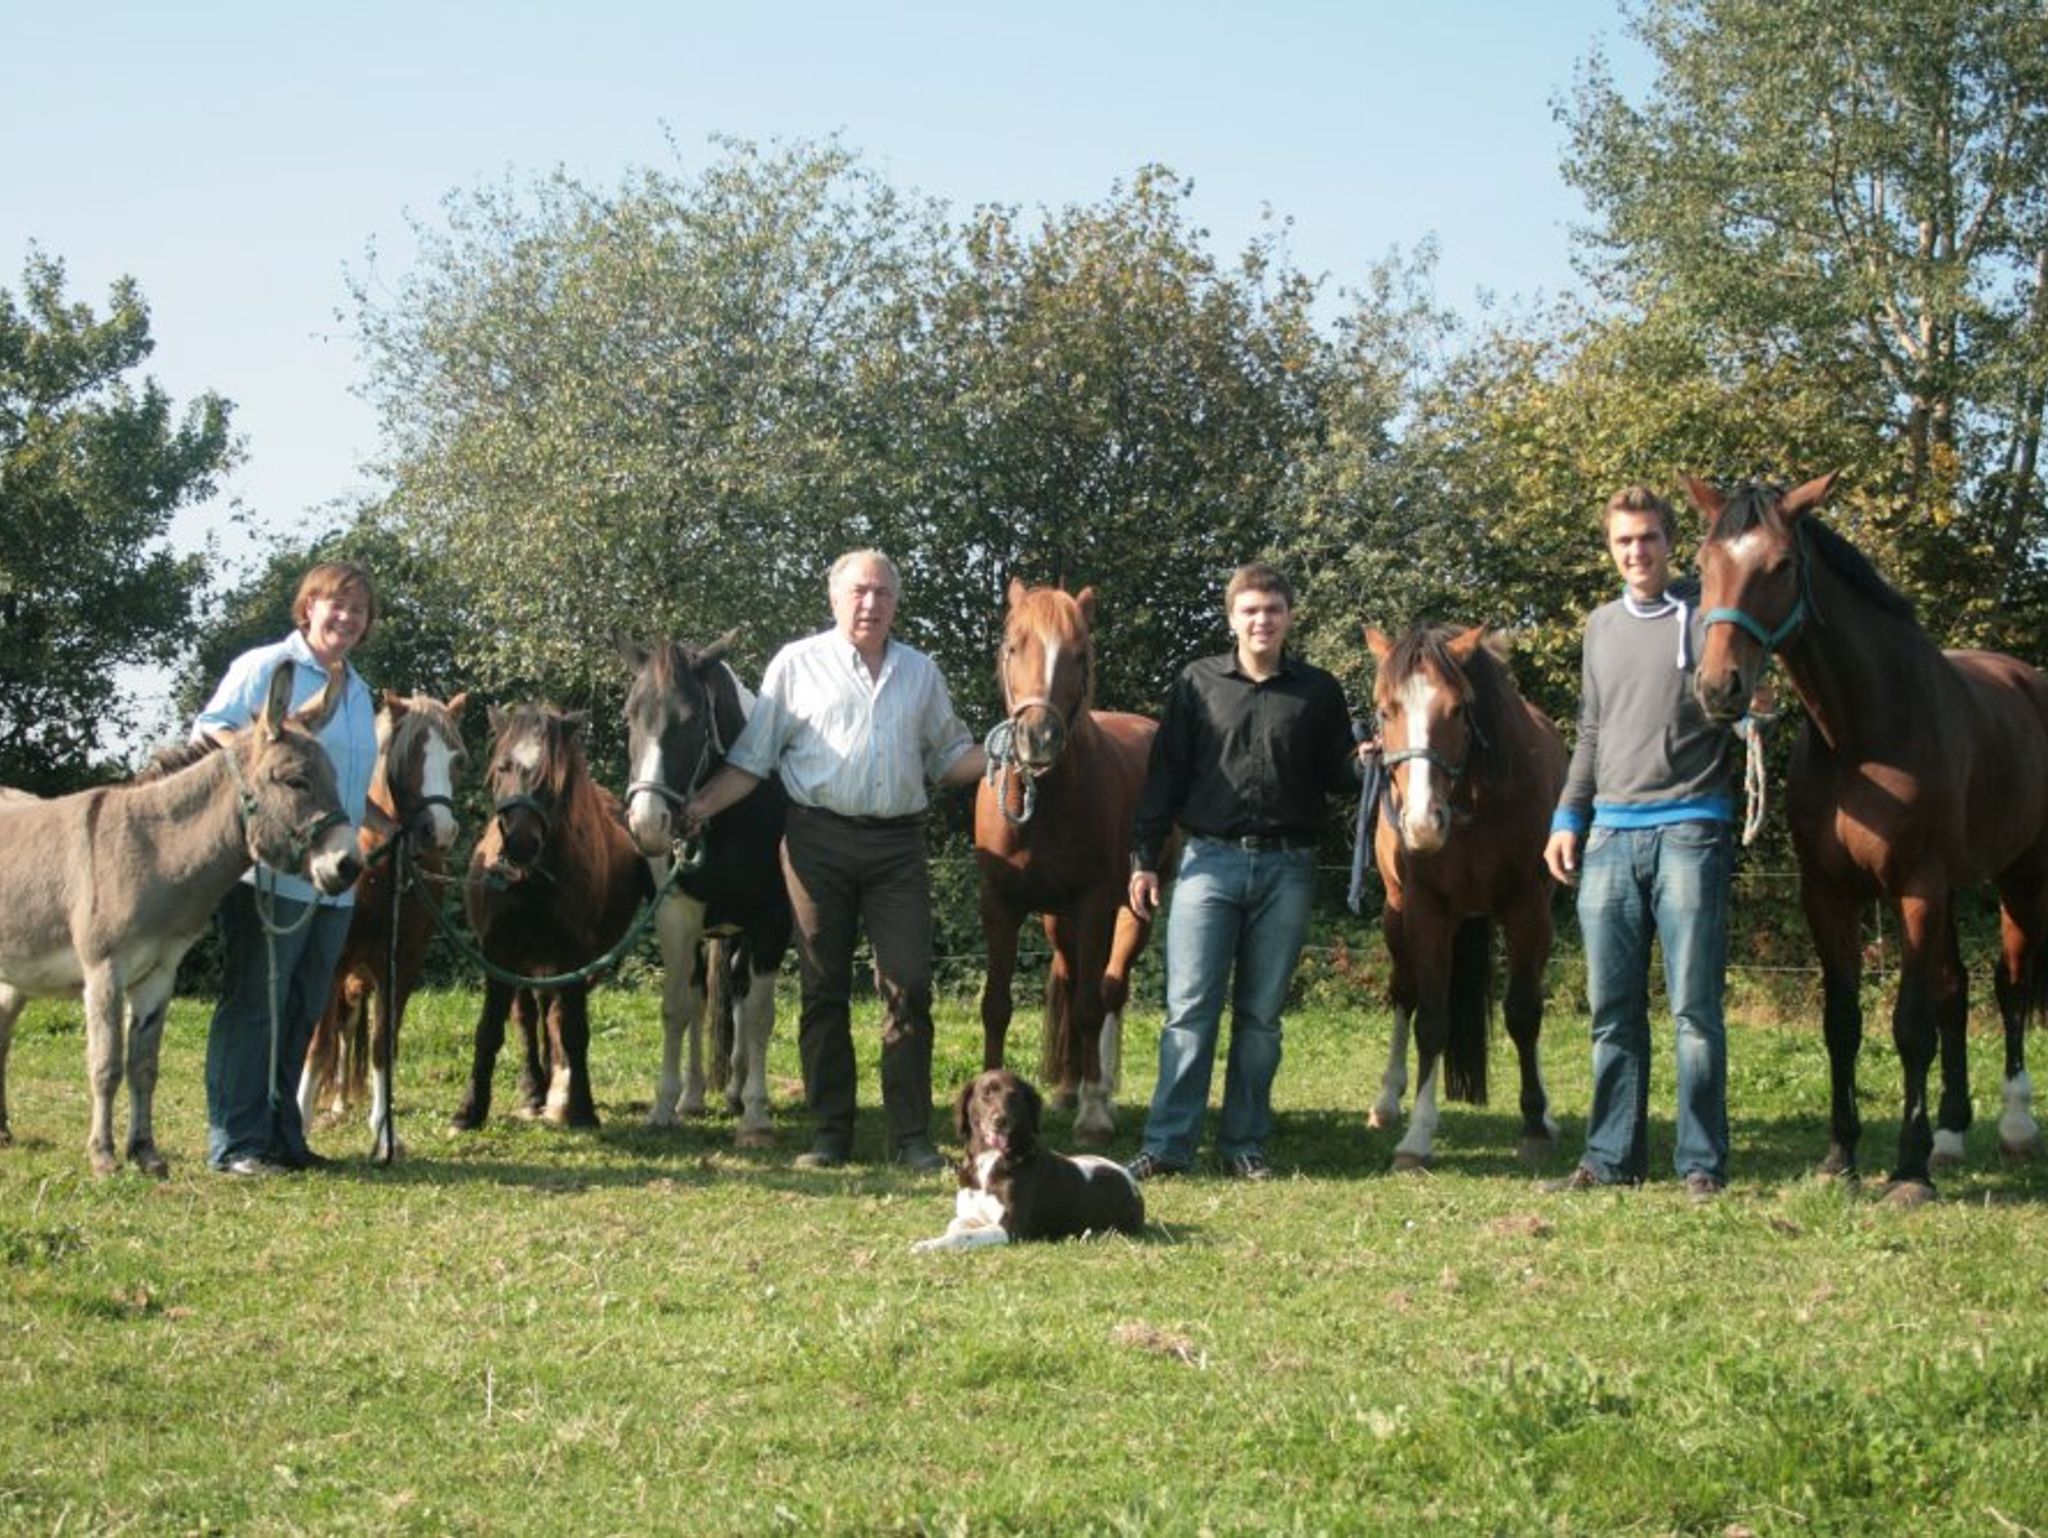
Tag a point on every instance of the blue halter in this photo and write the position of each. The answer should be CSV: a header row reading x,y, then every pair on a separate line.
x,y
1770,640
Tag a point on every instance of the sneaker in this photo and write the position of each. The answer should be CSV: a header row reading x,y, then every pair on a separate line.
x,y
1702,1187
825,1154
1580,1179
250,1166
918,1155
1149,1166
1249,1165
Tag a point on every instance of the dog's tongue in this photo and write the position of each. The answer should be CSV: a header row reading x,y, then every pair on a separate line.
x,y
998,1141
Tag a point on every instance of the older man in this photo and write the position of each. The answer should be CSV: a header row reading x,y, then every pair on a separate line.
x,y
858,724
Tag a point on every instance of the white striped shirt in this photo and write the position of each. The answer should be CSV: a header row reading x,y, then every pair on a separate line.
x,y
846,741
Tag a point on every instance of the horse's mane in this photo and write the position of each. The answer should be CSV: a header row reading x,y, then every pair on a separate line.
x,y
1493,704
172,757
1745,510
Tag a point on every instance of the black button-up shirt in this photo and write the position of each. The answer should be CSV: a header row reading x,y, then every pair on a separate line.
x,y
1238,757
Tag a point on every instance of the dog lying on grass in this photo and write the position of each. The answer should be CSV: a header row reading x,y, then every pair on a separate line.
x,y
1013,1188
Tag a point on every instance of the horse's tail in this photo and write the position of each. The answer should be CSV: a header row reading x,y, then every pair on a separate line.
x,y
1059,1055
1471,1011
721,1001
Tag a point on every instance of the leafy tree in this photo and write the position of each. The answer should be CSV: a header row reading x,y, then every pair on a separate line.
x,y
92,468
660,410
1107,404
1861,187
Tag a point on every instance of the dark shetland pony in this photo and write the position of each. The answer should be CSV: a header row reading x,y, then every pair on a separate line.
x,y
1473,773
1052,833
683,711
1919,771
553,885
355,1044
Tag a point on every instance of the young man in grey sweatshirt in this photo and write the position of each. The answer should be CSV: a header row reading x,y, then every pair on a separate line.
x,y
1643,829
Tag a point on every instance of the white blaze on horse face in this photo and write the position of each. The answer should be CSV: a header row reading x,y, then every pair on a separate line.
x,y
647,815
1422,819
437,778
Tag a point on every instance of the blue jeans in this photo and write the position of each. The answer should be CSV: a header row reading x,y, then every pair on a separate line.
x,y
252,1101
1669,882
1241,912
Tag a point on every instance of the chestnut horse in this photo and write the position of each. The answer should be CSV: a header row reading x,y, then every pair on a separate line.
x,y
1052,834
107,889
1473,773
1919,771
554,884
404,842
727,911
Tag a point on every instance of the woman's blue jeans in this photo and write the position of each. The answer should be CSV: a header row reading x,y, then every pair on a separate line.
x,y
1669,883
1237,922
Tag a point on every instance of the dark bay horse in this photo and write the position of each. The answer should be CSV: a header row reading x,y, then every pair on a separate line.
x,y
107,889
419,754
683,711
554,884
1473,773
1052,833
1919,771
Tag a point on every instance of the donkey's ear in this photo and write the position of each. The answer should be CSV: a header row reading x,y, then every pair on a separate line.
x,y
277,702
1465,643
1376,641
1704,496
1801,499
716,652
317,711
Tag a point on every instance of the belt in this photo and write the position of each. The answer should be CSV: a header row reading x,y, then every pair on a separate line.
x,y
1259,843
908,820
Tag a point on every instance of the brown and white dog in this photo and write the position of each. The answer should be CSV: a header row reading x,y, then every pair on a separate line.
x,y
1011,1187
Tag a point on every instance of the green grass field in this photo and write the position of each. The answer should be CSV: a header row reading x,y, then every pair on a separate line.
x,y
625,1331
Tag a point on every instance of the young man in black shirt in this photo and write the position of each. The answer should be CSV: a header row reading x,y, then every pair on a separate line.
x,y
1251,743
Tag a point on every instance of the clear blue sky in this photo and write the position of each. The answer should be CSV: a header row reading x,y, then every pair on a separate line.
x,y
235,158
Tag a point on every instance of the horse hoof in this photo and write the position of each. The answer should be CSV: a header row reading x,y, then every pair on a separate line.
x,y
464,1121
103,1161
754,1137
149,1161
2024,1152
1940,1159
1909,1193
6,1138
1535,1152
734,1106
530,1112
1377,1120
695,1112
1064,1099
1411,1163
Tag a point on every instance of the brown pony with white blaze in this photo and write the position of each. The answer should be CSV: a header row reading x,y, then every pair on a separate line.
x,y
1919,771
107,889
553,885
419,754
1052,832
1473,773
